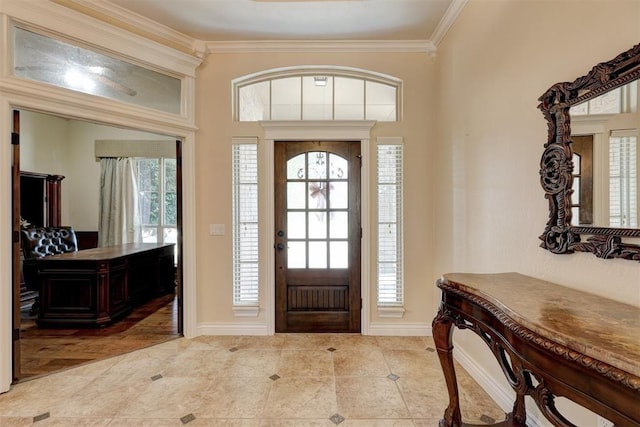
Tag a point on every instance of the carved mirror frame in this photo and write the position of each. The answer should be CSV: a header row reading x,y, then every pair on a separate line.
x,y
556,165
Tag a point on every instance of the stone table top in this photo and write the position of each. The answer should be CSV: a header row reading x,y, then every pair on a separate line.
x,y
606,330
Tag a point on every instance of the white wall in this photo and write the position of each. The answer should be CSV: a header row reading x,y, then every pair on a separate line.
x,y
56,145
43,143
492,66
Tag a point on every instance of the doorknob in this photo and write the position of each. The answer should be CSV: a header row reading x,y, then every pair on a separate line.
x,y
279,246
280,233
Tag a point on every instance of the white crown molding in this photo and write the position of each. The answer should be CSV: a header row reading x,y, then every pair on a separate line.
x,y
314,46
148,25
447,21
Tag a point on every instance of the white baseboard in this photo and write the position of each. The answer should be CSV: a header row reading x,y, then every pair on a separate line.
x,y
400,329
501,395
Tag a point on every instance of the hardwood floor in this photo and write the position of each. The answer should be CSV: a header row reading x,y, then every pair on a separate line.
x,y
44,351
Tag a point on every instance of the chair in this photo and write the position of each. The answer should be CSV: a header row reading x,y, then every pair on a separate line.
x,y
39,242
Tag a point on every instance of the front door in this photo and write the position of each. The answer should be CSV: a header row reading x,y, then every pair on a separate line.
x,y
317,241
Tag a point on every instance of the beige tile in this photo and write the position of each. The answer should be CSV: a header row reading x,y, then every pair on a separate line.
x,y
94,369
308,341
223,422
369,397
143,364
201,376
252,363
308,398
150,422
15,421
39,396
75,422
474,401
427,422
199,363
379,423
404,343
217,341
297,423
167,398
360,363
305,363
103,397
354,342
269,342
412,362
425,396
235,398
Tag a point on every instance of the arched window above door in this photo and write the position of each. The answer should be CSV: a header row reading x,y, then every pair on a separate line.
x,y
317,93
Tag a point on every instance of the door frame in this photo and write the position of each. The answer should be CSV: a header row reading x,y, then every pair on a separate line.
x,y
67,106
314,131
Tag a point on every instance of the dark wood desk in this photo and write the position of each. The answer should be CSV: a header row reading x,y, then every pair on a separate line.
x,y
549,340
94,287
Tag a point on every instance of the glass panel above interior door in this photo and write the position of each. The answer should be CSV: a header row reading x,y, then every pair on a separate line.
x,y
44,59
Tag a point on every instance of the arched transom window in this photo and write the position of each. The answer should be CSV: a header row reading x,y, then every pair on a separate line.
x,y
326,93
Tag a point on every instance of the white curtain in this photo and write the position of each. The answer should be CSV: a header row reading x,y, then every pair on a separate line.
x,y
119,211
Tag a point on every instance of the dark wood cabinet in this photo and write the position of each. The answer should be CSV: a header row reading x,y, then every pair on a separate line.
x,y
41,199
95,287
40,206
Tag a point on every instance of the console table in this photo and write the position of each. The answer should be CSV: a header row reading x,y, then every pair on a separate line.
x,y
549,340
94,287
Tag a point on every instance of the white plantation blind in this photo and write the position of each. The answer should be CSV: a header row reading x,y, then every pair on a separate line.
x,y
623,179
390,256
245,224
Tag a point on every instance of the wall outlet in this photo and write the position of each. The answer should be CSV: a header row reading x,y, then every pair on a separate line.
x,y
216,229
603,422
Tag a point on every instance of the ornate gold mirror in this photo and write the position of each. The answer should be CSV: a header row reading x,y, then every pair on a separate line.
x,y
589,168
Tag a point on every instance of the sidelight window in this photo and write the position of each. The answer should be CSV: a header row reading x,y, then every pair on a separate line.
x,y
245,223
390,247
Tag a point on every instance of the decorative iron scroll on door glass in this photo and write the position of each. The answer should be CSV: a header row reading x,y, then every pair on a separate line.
x,y
317,211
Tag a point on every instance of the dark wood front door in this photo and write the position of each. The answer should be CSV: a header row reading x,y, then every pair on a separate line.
x,y
317,241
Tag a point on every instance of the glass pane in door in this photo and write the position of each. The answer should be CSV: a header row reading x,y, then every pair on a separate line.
x,y
317,211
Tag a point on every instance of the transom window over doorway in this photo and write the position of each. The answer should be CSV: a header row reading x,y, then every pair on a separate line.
x,y
317,93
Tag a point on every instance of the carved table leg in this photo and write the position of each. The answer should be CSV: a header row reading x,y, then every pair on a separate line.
x,y
442,332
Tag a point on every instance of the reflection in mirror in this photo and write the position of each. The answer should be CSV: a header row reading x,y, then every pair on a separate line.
x,y
605,159
589,168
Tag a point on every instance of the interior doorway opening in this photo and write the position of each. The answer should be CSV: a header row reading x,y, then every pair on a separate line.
x,y
52,145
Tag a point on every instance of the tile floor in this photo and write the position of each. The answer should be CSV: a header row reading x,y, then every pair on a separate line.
x,y
281,380
44,351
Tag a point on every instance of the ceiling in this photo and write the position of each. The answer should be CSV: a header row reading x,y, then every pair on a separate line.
x,y
245,20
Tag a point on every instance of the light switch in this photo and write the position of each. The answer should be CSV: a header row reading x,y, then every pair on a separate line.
x,y
216,229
